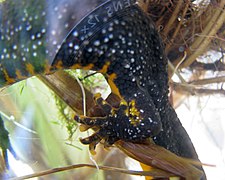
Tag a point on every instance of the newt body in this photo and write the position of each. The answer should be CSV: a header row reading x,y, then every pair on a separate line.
x,y
121,42
129,53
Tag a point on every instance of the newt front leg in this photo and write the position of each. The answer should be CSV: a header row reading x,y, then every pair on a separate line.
x,y
127,122
126,48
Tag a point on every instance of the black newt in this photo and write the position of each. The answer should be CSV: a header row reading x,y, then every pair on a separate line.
x,y
120,41
128,51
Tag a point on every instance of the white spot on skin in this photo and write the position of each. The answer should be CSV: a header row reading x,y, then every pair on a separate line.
x,y
54,42
123,23
43,31
60,16
90,49
110,29
138,67
33,37
53,32
34,46
28,28
15,47
103,31
116,21
97,43
106,40
75,33
34,54
150,120
70,44
56,8
86,42
76,47
90,33
111,36
14,56
43,13
129,43
38,35
82,38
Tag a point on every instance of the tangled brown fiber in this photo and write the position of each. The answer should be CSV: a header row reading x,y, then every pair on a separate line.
x,y
190,27
190,30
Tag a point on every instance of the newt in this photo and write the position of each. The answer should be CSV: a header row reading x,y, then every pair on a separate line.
x,y
120,41
124,55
